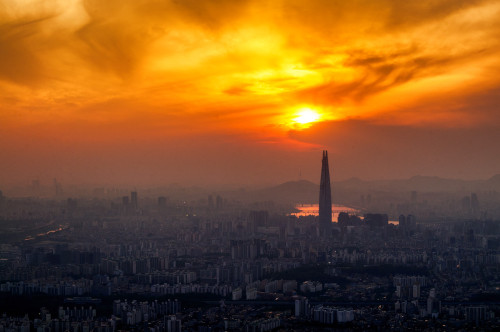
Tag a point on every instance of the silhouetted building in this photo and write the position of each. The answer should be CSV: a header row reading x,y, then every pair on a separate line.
x,y
325,197
474,204
218,202
162,203
411,221
57,188
402,221
258,219
125,205
466,204
476,314
376,219
133,200
344,219
172,324
408,223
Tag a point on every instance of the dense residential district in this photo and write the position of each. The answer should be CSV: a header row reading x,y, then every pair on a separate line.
x,y
120,261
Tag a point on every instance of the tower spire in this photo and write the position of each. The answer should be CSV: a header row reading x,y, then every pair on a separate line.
x,y
325,197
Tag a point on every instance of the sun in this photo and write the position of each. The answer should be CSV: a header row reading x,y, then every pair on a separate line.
x,y
305,117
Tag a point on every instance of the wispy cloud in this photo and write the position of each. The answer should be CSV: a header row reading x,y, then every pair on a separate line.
x,y
90,70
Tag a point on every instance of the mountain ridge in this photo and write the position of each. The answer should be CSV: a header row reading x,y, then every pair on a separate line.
x,y
308,192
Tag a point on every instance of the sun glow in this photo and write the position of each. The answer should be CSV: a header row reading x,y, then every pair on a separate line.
x,y
305,117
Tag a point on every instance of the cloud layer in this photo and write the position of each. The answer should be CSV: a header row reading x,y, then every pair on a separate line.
x,y
98,74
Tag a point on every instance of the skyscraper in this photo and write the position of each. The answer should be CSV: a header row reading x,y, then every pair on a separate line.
x,y
133,200
325,197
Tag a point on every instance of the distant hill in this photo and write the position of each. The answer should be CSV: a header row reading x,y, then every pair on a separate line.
x,y
308,192
421,183
495,180
292,191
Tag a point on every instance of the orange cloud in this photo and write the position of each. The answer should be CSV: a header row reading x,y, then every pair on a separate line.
x,y
104,71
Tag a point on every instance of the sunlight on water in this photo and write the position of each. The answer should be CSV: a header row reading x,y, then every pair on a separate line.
x,y
313,210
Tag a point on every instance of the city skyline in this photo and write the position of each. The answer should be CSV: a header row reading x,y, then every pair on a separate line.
x,y
166,260
202,92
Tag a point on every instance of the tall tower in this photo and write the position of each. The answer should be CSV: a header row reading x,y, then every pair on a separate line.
x,y
325,197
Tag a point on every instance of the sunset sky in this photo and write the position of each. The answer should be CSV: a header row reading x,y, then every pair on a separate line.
x,y
148,92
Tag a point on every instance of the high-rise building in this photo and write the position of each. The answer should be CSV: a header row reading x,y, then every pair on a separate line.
x,y
211,204
57,188
172,324
162,204
258,219
133,200
376,219
402,221
325,197
474,204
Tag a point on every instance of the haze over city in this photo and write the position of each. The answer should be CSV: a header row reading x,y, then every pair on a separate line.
x,y
248,92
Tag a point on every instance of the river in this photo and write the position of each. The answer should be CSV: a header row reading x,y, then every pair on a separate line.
x,y
313,210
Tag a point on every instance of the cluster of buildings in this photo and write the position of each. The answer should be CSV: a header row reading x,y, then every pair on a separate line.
x,y
256,258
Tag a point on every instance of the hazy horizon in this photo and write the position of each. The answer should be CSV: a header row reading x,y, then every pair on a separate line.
x,y
47,185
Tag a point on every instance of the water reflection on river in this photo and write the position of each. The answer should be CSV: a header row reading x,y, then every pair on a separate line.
x,y
313,210
61,228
